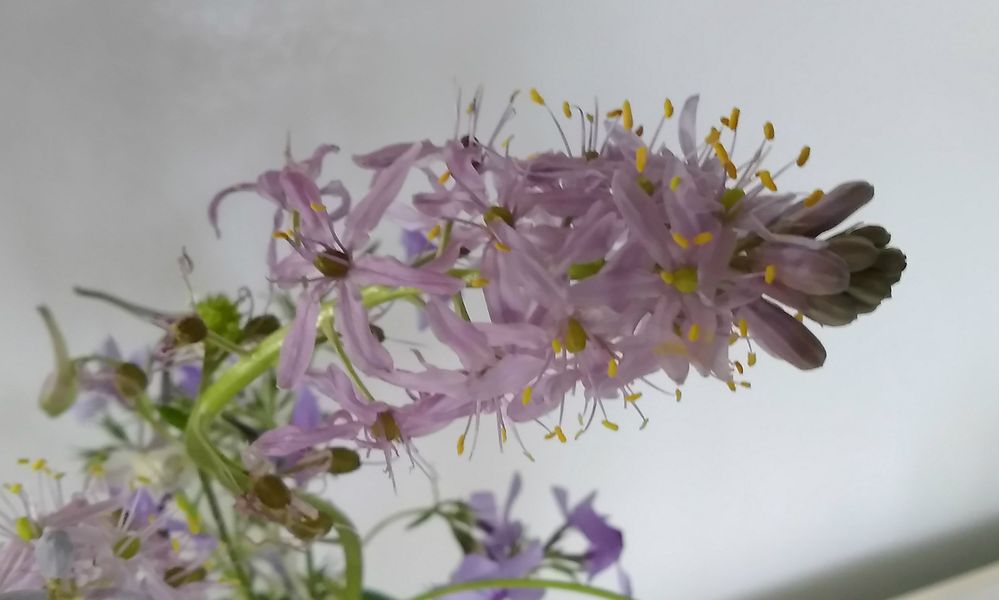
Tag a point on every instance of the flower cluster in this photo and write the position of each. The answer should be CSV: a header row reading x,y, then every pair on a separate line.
x,y
597,269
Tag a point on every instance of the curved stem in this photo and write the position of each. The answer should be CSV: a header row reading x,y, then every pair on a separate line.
x,y
381,525
351,544
537,584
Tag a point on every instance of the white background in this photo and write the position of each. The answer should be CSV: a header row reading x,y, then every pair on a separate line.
x,y
876,474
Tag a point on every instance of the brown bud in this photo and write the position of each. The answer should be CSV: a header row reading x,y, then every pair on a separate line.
x,y
857,252
261,326
272,492
385,428
333,264
190,330
308,528
178,576
343,460
130,380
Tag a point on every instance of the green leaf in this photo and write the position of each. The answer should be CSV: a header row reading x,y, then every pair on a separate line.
x,y
423,518
114,429
221,316
59,390
174,416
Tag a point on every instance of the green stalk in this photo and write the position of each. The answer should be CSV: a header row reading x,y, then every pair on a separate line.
x,y
234,558
538,584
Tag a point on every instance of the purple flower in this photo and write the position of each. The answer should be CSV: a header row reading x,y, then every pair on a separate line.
x,y
605,543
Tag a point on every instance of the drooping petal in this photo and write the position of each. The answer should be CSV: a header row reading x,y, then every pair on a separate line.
x,y
841,202
305,413
811,271
213,206
462,337
385,270
364,349
688,128
296,350
386,186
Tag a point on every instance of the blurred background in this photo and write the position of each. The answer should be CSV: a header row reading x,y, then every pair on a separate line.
x,y
873,476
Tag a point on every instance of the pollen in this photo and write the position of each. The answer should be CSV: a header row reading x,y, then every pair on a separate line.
x,y
502,247
461,444
694,333
674,183
566,110
503,434
610,425
733,119
770,274
612,367
730,384
767,180
613,114
557,346
799,316
317,206
525,396
560,434
803,156
668,108
768,130
731,171
434,232
678,394
739,368
666,276
703,238
633,397
39,465
721,153
813,198
680,240
478,282
627,120
281,235
713,136
444,177
536,97
743,328
751,359
641,158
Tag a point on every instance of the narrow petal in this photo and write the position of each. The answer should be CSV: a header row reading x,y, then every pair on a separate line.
x,y
213,206
361,345
782,335
462,337
384,189
688,128
645,220
844,200
811,271
296,350
384,270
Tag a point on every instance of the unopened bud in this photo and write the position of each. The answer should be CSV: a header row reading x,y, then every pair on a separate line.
x,y
130,380
190,330
261,326
343,460
272,492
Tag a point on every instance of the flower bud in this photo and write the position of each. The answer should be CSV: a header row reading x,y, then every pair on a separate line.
x,y
189,330
129,380
877,234
261,326
272,492
178,576
858,252
60,387
308,528
333,264
343,460
127,547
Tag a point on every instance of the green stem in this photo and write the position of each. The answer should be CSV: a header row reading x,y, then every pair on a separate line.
x,y
381,525
237,563
351,544
327,327
500,584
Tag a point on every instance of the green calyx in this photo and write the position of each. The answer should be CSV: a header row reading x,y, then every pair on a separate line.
x,y
730,197
587,269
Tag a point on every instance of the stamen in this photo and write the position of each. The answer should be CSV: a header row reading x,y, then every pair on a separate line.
x,y
674,183
525,396
317,206
678,394
730,384
713,136
536,97
612,368
633,397
733,119
813,198
768,130
743,328
557,346
501,246
770,274
444,177
746,384
610,425
667,108
694,332
478,282
461,444
703,238
739,368
751,359
640,130
731,171
612,114
721,153
767,180
641,158
566,110
434,232
627,120
666,276
803,156
559,433
680,240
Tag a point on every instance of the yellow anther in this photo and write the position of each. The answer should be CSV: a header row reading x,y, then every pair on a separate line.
x,y
743,328
39,465
503,434
813,198
26,529
15,488
506,142
739,368
461,444
751,359
733,119
525,396
641,158
560,434
609,425
97,470
317,206
557,346
175,545
444,177
799,316
731,171
536,97
626,118
612,367
646,186
434,232
678,394
694,333
282,235
640,130
478,282
666,276
732,339
680,240
674,182
611,114
575,336
566,110
703,238
502,247
668,108
730,384
803,156
767,180
589,117
470,109
724,121
713,136
745,384
633,397
770,274
23,461
721,152
768,130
